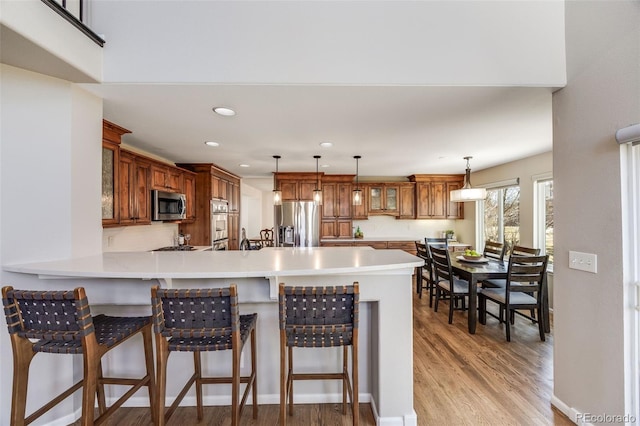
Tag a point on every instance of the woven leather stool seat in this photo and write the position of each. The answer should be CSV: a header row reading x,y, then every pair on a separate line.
x,y
316,317
203,320
61,323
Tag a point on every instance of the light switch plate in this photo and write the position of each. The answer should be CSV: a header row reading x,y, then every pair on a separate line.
x,y
583,261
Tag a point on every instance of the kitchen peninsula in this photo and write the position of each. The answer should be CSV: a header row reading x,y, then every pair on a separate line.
x,y
121,282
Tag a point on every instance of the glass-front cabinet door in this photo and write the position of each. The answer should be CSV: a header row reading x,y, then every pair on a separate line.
x,y
109,181
391,198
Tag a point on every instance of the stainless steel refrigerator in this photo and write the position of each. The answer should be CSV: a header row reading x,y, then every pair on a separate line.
x,y
297,224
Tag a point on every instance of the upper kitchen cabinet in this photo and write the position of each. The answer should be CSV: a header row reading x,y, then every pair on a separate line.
x,y
336,197
189,189
432,196
361,212
384,198
166,178
406,201
111,139
297,186
134,196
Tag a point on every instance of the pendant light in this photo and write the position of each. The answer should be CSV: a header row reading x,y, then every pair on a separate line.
x,y
317,193
277,194
357,193
467,193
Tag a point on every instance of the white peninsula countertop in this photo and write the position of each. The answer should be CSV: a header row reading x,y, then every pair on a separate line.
x,y
280,261
119,283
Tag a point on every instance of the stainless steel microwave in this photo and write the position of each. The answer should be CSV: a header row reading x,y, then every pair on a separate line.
x,y
168,205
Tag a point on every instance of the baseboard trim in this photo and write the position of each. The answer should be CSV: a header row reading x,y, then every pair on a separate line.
x,y
572,413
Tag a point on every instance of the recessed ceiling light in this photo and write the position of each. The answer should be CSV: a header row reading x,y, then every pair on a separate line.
x,y
244,165
212,143
324,166
227,112
326,144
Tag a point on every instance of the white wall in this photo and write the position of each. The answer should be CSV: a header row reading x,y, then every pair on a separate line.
x,y
602,95
50,171
338,42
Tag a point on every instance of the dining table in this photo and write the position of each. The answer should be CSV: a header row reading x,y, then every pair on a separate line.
x,y
475,272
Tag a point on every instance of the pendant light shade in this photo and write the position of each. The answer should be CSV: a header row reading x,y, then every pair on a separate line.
x,y
357,192
317,193
277,194
467,193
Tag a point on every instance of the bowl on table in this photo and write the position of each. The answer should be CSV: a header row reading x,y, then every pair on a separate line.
x,y
470,257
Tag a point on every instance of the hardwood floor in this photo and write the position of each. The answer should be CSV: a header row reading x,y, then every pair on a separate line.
x,y
460,379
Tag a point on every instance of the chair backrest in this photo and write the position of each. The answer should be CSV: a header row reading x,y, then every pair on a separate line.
x,y
524,251
526,270
266,237
319,313
441,263
494,250
422,251
208,312
51,315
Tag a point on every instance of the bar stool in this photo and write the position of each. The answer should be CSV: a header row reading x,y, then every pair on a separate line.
x,y
203,320
318,317
61,322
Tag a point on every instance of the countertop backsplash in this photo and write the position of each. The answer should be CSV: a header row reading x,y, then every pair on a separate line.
x,y
139,238
387,226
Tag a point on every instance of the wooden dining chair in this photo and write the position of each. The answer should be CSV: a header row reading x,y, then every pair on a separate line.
x,y
203,320
446,282
319,317
60,322
266,237
423,273
529,270
429,242
494,250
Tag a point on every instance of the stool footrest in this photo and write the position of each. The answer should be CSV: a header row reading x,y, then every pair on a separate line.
x,y
318,376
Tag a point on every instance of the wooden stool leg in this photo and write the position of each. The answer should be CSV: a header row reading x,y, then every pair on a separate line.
x,y
290,381
162,354
91,360
102,404
345,377
22,355
235,385
197,366
354,378
254,364
148,359
283,379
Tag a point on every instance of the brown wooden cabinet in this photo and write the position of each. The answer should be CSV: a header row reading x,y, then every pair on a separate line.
x,y
361,212
213,182
372,244
432,196
165,178
111,139
134,196
297,186
455,210
406,201
384,199
336,207
189,189
336,228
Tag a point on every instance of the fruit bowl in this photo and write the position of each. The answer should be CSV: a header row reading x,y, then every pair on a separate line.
x,y
472,257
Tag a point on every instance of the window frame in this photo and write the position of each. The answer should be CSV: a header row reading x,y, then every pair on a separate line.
x,y
539,214
480,206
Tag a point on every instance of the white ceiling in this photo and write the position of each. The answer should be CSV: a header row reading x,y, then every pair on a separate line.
x,y
398,130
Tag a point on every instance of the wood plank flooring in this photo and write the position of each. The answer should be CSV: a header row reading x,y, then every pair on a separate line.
x,y
459,379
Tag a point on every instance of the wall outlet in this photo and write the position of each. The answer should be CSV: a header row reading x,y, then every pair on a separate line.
x,y
110,241
583,261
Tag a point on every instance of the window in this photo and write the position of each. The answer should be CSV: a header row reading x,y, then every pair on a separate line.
x,y
543,228
501,218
